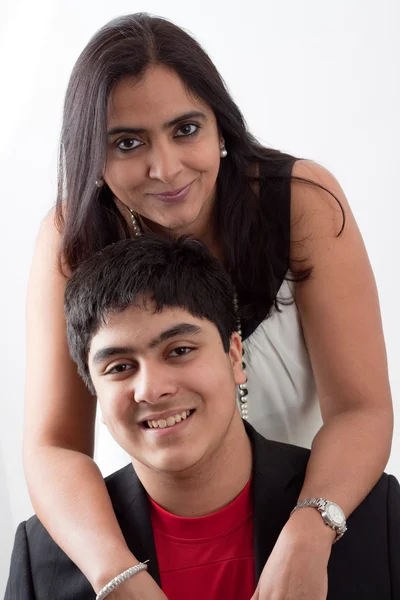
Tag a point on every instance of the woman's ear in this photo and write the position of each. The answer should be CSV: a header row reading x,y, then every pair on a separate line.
x,y
235,356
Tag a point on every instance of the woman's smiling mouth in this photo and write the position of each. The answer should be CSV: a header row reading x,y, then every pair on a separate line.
x,y
175,195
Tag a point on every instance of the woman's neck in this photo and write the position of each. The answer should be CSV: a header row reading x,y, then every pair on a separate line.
x,y
202,230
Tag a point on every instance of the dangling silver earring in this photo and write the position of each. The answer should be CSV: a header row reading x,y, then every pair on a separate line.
x,y
224,152
99,182
137,231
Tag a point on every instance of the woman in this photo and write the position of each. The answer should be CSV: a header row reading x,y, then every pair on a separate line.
x,y
151,140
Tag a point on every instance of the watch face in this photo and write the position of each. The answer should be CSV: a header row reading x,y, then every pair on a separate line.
x,y
335,514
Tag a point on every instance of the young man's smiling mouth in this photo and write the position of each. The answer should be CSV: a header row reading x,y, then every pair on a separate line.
x,y
168,421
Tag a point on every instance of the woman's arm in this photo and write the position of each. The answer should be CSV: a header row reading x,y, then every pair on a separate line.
x,y
340,316
66,487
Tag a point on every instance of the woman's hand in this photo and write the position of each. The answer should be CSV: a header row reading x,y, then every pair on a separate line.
x,y
139,587
297,566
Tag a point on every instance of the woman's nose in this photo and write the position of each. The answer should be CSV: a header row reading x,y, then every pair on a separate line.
x,y
165,163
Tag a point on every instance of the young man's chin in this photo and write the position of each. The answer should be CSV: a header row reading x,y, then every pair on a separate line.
x,y
177,462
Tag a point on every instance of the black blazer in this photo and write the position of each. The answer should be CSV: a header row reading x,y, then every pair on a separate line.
x,y
364,565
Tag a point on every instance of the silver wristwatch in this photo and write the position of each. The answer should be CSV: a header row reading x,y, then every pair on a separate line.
x,y
331,513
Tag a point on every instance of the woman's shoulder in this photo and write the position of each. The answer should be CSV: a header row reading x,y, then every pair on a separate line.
x,y
288,166
49,235
275,164
291,189
49,241
310,170
319,208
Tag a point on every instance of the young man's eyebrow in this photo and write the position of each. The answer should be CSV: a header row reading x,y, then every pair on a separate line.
x,y
109,352
134,130
179,329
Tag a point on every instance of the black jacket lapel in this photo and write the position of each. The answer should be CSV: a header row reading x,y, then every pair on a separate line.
x,y
278,474
132,510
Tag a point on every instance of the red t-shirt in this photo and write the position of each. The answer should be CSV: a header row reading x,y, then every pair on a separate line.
x,y
206,558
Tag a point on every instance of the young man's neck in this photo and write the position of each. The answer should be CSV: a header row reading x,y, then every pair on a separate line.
x,y
209,486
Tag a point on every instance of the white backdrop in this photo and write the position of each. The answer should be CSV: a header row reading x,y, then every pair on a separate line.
x,y
317,79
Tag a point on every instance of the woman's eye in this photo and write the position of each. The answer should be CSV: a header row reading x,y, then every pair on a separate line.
x,y
128,144
181,351
188,129
121,368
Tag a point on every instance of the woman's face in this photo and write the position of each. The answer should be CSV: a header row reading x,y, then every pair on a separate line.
x,y
163,152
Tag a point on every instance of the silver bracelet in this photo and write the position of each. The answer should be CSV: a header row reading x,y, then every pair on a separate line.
x,y
114,583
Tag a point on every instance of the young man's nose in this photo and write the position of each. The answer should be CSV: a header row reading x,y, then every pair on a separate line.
x,y
153,383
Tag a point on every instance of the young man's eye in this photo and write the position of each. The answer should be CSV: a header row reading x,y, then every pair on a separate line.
x,y
120,368
128,144
181,351
187,129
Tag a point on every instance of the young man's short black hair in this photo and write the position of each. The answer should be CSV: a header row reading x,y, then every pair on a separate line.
x,y
170,273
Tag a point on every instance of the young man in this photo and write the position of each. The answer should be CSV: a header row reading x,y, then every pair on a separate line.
x,y
151,326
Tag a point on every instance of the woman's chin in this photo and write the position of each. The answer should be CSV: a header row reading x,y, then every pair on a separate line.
x,y
184,225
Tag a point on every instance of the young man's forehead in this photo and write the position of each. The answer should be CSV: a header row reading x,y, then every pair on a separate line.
x,y
145,310
139,326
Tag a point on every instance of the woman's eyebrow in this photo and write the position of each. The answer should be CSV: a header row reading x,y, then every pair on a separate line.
x,y
189,115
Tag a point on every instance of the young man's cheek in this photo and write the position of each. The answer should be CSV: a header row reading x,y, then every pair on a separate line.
x,y
119,414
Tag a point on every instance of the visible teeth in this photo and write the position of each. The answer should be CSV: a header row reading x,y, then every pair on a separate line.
x,y
170,421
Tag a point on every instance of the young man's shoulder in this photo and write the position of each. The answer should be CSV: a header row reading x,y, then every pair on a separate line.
x,y
39,568
39,564
124,488
273,455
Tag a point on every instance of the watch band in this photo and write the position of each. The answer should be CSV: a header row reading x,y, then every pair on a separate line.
x,y
321,504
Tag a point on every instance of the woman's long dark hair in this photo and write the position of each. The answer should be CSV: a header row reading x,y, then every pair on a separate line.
x,y
89,218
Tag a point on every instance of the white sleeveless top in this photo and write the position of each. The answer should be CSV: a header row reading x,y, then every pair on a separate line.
x,y
282,399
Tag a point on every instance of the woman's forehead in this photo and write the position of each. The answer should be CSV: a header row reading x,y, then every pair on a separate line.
x,y
156,98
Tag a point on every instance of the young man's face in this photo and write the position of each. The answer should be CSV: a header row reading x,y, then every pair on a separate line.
x,y
166,386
